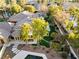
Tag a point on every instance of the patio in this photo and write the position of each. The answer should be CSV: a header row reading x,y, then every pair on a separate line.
x,y
50,53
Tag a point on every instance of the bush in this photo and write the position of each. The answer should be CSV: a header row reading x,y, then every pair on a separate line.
x,y
48,38
44,43
64,55
56,46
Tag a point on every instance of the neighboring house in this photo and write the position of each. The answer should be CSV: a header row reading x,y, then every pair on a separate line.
x,y
19,19
23,17
4,36
6,26
5,29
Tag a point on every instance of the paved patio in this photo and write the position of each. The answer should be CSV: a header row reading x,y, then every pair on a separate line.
x,y
50,53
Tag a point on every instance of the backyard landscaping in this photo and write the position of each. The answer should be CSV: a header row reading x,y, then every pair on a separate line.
x,y
43,27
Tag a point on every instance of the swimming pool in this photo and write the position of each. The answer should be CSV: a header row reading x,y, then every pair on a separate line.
x,y
33,57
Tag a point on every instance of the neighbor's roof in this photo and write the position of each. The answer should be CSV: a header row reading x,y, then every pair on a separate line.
x,y
19,23
67,5
20,16
4,34
6,26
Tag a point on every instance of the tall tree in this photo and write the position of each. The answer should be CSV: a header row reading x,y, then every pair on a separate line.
x,y
2,3
13,2
39,28
15,8
22,2
43,1
30,8
25,30
2,7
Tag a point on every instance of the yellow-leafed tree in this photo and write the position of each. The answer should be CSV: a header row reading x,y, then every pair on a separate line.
x,y
39,28
43,1
22,2
25,29
13,2
2,3
30,8
15,8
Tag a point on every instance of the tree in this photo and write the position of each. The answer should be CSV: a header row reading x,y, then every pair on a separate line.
x,y
22,2
71,35
2,7
2,3
74,11
30,8
15,8
13,2
58,13
43,1
59,1
55,9
39,28
25,29
43,8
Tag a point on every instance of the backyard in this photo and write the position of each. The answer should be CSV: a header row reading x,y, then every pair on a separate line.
x,y
49,26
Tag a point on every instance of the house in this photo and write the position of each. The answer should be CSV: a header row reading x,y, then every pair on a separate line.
x,y
5,29
21,18
6,26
